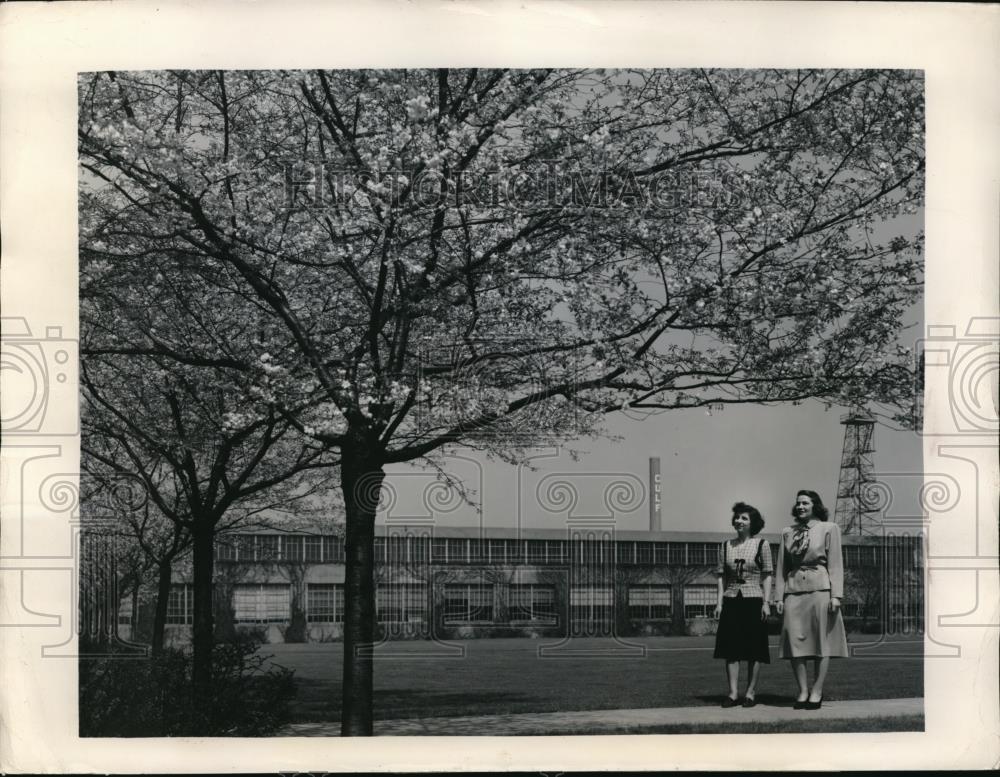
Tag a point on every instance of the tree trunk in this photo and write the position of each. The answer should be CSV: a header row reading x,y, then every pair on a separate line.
x,y
162,597
678,625
203,627
621,586
133,628
361,480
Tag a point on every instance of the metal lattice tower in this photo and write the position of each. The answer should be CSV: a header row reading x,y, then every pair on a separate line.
x,y
854,512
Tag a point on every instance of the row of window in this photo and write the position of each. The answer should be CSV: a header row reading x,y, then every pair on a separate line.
x,y
464,603
472,603
440,550
906,555
279,547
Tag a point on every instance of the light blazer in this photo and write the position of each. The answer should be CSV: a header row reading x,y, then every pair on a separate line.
x,y
821,568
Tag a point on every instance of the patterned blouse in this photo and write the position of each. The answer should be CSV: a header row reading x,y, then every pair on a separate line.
x,y
743,565
810,559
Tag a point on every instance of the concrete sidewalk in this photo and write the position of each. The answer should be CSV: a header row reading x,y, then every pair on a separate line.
x,y
612,721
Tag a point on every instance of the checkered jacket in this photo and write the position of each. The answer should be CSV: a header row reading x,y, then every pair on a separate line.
x,y
744,565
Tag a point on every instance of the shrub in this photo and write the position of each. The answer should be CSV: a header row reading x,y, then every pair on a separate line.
x,y
128,697
858,625
700,626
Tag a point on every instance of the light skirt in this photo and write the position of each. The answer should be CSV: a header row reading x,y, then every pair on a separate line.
x,y
810,630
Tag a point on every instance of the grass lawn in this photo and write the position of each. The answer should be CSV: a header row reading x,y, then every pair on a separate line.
x,y
497,676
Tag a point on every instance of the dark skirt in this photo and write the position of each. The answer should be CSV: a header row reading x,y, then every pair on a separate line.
x,y
742,634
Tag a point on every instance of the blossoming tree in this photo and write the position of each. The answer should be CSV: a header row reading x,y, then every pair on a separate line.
x,y
168,434
418,259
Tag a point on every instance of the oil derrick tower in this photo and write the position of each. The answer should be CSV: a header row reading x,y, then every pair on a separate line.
x,y
854,513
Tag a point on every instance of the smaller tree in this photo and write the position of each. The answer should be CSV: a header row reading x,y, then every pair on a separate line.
x,y
153,542
205,467
679,576
863,587
626,576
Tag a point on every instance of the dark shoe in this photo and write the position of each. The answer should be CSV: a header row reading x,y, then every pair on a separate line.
x,y
800,705
813,705
749,701
730,702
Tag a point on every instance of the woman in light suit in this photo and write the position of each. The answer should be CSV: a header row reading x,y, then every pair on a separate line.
x,y
809,584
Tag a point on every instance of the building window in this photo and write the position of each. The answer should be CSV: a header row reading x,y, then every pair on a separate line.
x,y
700,600
644,553
477,551
439,550
401,602
853,556
180,604
458,551
591,604
595,550
649,602
268,547
261,603
293,548
536,551
625,552
225,549
558,551
498,552
314,549
675,554
325,603
420,549
661,552
244,547
470,603
396,550
333,549
125,611
534,603
696,554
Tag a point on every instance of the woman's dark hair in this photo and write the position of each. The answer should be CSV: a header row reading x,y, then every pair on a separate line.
x,y
756,521
819,511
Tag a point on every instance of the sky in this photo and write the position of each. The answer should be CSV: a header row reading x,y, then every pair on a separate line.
x,y
760,455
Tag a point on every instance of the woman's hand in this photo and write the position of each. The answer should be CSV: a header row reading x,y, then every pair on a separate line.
x,y
779,607
765,610
718,611
834,604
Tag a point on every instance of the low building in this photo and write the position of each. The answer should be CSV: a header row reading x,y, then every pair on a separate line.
x,y
455,583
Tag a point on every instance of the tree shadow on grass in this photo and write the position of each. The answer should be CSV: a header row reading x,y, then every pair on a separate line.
x,y
398,704
319,700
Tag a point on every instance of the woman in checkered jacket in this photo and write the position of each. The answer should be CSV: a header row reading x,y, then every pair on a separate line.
x,y
744,573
